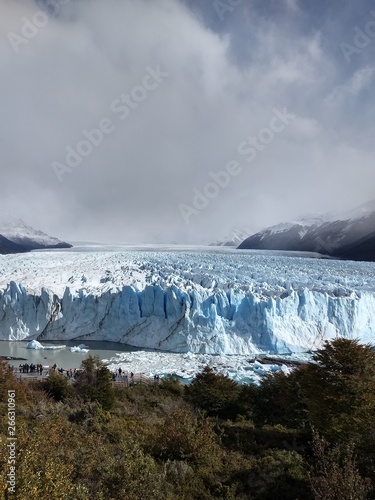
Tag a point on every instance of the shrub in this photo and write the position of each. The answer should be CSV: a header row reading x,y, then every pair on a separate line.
x,y
278,474
94,383
184,436
280,401
214,393
172,386
334,474
57,386
339,390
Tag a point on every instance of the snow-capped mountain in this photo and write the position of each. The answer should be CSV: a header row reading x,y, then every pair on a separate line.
x,y
17,237
236,237
349,235
7,246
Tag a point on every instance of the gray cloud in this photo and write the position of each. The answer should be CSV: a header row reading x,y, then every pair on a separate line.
x,y
225,79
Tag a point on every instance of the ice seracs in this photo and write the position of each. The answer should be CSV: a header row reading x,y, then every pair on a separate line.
x,y
211,302
80,348
187,366
34,344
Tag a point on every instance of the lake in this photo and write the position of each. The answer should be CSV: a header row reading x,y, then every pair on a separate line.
x,y
64,358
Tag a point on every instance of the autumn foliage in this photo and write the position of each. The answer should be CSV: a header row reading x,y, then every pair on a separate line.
x,y
307,435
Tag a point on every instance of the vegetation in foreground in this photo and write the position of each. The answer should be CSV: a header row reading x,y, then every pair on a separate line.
x,y
307,435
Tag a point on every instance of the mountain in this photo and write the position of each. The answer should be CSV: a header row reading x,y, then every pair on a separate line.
x,y
234,239
7,246
18,237
348,235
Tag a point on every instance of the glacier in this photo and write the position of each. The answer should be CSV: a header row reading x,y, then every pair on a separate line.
x,y
203,301
186,366
34,344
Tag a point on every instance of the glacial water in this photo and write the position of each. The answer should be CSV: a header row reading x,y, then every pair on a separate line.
x,y
64,358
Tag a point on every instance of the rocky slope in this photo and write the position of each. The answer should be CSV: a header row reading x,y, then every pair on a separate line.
x,y
18,237
349,235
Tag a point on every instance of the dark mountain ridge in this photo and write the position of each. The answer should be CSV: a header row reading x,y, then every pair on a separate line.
x,y
18,237
349,235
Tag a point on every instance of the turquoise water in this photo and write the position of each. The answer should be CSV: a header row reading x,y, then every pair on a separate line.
x,y
62,357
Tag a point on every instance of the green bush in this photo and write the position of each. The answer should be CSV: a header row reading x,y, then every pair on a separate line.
x,y
57,386
279,474
94,383
172,386
213,439
334,474
339,389
214,393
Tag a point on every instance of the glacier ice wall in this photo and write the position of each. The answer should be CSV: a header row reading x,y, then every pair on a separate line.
x,y
200,320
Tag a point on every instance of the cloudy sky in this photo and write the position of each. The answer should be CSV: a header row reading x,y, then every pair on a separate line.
x,y
279,94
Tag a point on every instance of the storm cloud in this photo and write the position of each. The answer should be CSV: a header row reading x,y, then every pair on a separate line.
x,y
118,115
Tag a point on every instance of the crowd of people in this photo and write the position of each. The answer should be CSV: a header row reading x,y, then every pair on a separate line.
x,y
120,376
39,369
72,373
117,376
31,368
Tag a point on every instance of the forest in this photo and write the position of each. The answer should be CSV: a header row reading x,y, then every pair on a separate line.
x,y
306,435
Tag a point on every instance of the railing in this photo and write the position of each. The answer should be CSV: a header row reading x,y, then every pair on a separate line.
x,y
138,378
32,378
125,380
